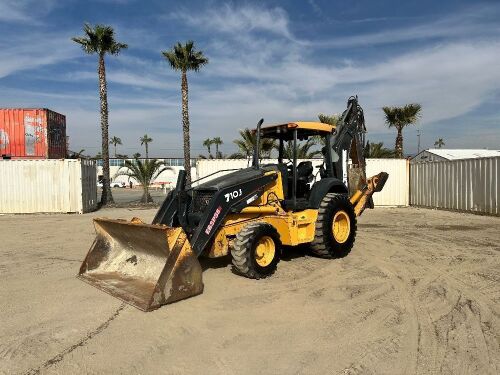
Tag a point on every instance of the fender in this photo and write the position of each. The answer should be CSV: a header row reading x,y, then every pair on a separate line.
x,y
323,187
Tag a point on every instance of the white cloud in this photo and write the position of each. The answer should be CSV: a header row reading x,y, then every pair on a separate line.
x,y
31,11
478,20
232,19
28,51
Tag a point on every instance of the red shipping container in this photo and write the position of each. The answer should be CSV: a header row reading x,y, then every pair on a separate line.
x,y
27,133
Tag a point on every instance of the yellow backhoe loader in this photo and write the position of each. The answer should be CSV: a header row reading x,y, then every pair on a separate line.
x,y
249,213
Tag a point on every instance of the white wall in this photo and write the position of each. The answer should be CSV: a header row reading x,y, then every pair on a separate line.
x,y
395,192
29,186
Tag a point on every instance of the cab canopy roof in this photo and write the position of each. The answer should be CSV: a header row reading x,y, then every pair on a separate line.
x,y
304,130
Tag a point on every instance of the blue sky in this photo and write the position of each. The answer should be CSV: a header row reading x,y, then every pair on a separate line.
x,y
281,60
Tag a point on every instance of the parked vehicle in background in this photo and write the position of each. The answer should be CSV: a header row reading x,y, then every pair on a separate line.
x,y
113,184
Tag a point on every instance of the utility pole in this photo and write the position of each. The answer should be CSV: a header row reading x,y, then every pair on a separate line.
x,y
418,143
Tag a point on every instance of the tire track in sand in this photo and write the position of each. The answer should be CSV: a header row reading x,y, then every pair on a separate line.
x,y
82,342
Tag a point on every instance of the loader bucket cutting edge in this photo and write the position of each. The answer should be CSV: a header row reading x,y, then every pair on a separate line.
x,y
144,265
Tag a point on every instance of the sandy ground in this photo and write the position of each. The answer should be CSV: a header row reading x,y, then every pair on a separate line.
x,y
419,294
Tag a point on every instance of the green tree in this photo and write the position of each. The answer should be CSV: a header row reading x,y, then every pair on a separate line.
x,y
246,145
137,155
439,143
329,119
326,119
144,172
217,141
77,155
115,141
399,117
184,58
146,140
303,149
377,151
100,40
208,143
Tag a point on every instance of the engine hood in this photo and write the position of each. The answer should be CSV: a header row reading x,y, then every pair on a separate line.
x,y
230,179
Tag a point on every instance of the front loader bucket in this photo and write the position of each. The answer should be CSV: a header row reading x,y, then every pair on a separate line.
x,y
144,265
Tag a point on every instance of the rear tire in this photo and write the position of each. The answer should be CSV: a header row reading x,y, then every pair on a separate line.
x,y
256,250
334,239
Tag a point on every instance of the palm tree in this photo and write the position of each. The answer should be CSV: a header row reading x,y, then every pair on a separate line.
x,y
247,143
399,117
207,143
145,140
377,151
217,141
115,141
77,155
136,155
330,120
439,143
100,39
326,119
184,57
144,172
303,150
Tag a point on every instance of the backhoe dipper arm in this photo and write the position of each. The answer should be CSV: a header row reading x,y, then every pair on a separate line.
x,y
350,126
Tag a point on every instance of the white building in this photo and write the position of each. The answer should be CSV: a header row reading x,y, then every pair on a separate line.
x,y
442,154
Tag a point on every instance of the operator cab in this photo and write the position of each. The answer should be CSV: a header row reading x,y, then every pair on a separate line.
x,y
297,177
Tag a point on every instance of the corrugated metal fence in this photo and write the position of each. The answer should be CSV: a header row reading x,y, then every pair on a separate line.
x,y
395,192
464,185
28,186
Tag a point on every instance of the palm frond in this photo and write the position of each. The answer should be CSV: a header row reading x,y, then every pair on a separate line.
x,y
99,39
185,57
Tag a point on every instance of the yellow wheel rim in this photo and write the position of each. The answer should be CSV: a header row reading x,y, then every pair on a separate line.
x,y
265,250
341,226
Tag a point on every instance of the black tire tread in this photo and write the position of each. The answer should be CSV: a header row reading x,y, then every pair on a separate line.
x,y
322,246
241,251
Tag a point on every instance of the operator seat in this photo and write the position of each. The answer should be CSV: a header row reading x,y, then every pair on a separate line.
x,y
304,177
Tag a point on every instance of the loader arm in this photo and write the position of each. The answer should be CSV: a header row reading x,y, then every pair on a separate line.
x,y
225,201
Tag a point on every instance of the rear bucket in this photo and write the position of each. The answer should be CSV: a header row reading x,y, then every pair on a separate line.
x,y
144,265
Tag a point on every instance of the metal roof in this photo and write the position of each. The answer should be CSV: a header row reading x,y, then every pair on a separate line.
x,y
455,154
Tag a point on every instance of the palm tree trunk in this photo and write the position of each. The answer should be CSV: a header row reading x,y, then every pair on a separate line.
x,y
216,150
146,151
399,143
106,196
145,194
185,127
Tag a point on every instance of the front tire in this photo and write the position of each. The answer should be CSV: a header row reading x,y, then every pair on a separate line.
x,y
335,228
256,250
